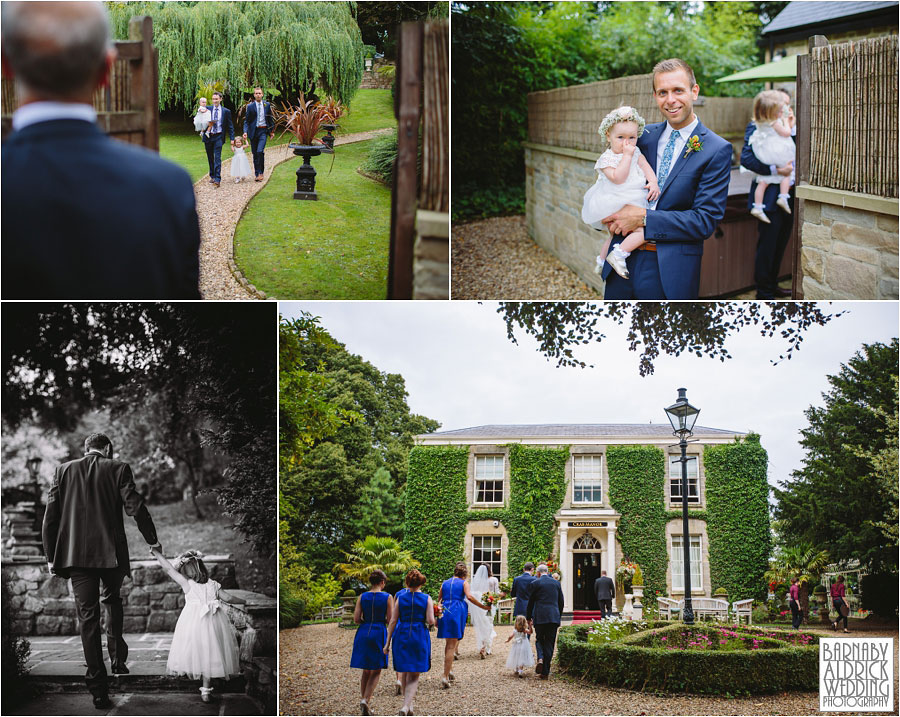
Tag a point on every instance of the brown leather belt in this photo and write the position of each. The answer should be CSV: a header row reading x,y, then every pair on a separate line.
x,y
646,246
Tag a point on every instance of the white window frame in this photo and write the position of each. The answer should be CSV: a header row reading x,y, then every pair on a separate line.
x,y
599,458
495,570
676,557
492,479
676,460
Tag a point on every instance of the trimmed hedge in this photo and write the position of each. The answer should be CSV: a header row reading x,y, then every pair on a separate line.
x,y
628,664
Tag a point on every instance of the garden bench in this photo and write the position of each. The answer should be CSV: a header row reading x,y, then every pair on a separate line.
x,y
710,607
743,608
506,607
668,606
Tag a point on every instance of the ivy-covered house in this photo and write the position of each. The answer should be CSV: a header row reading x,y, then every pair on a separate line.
x,y
587,495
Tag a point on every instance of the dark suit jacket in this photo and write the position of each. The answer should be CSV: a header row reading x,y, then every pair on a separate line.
x,y
546,602
250,119
89,217
227,124
690,206
83,525
749,160
604,588
521,589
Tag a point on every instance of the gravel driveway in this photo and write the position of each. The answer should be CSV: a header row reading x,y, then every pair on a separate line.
x,y
316,680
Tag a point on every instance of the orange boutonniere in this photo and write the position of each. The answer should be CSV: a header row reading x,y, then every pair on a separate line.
x,y
693,145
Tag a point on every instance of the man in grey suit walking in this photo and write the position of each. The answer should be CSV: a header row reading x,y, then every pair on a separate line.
x,y
605,590
545,607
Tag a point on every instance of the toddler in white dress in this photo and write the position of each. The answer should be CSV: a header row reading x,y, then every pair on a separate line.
x,y
520,655
203,116
203,644
624,177
772,144
240,165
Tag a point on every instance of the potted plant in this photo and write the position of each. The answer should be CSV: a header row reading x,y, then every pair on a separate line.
x,y
335,110
369,56
348,602
821,597
304,120
721,593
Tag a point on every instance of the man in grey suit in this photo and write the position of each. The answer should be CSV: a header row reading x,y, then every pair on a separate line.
x,y
605,590
545,607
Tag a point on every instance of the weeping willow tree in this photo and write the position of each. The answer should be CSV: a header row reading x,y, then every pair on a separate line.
x,y
290,46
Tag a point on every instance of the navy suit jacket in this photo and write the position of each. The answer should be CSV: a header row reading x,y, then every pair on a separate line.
x,y
227,124
85,216
546,603
521,590
250,119
604,588
690,206
749,160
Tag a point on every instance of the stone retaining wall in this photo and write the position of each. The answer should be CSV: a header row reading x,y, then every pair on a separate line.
x,y
371,80
43,604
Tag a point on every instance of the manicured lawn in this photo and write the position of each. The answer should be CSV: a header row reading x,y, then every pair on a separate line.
x,y
370,109
335,248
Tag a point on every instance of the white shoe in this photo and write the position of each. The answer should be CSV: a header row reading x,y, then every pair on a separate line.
x,y
364,707
761,215
783,205
205,693
452,677
445,683
617,262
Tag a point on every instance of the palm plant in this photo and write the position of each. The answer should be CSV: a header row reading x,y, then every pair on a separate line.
x,y
303,120
374,553
801,561
334,109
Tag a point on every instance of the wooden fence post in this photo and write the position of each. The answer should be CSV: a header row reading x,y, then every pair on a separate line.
x,y
145,79
403,194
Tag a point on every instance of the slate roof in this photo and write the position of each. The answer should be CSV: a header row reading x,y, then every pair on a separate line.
x,y
571,430
803,14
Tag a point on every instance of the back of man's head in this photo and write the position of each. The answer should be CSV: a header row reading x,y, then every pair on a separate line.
x,y
56,50
529,567
542,569
96,441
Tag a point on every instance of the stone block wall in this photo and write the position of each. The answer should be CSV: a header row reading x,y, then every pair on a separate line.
x,y
431,256
848,252
371,80
43,604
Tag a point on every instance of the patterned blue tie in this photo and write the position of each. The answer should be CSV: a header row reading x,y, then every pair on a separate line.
x,y
667,158
216,122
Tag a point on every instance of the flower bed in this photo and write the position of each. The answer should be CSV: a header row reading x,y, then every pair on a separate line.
x,y
701,659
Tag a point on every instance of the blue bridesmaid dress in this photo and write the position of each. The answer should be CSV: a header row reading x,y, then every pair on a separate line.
x,y
456,609
368,645
412,641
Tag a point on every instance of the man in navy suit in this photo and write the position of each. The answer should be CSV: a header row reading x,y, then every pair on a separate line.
x,y
773,238
84,216
693,167
605,590
214,137
545,608
258,126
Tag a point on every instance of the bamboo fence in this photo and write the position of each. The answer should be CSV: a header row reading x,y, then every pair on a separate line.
x,y
435,190
853,116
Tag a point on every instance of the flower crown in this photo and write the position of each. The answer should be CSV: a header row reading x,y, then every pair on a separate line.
x,y
185,556
621,114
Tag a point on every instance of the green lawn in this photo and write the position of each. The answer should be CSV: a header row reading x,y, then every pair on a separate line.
x,y
335,248
370,109
179,529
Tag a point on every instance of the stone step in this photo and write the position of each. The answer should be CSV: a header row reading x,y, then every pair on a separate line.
x,y
144,677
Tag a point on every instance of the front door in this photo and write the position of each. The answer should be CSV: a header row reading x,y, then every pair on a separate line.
x,y
585,570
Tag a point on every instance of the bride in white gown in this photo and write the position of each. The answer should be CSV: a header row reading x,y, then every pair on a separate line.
x,y
483,621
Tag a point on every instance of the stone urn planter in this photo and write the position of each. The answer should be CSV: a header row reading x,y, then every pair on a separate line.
x,y
637,606
306,173
348,603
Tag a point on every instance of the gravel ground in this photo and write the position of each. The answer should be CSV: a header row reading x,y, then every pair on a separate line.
x,y
496,259
316,680
219,211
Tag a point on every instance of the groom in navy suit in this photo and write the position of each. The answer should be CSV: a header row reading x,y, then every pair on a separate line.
x,y
258,126
214,137
693,168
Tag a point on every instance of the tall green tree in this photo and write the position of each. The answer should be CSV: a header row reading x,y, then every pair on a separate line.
x,y
835,500
379,21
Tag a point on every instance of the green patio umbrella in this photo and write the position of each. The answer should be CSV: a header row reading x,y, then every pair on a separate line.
x,y
783,69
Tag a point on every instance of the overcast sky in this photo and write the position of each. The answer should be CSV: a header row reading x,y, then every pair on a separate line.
x,y
461,370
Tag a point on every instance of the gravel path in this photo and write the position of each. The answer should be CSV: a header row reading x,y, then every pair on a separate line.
x,y
220,209
315,680
496,259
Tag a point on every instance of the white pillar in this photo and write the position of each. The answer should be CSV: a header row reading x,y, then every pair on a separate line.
x,y
611,551
565,566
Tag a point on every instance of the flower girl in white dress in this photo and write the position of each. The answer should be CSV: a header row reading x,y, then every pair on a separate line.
x,y
240,165
520,655
624,177
772,144
202,118
203,645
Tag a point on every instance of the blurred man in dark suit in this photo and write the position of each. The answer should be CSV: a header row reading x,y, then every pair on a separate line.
x,y
84,540
84,216
545,607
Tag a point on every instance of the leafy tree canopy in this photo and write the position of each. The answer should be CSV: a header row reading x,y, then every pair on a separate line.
x,y
291,46
661,327
842,498
379,22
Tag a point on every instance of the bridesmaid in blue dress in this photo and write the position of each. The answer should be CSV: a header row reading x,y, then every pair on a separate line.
x,y
412,614
371,612
452,625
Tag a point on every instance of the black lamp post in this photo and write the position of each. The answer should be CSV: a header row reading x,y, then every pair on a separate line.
x,y
682,415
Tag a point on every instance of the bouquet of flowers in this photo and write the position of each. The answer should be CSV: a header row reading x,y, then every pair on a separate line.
x,y
438,611
490,599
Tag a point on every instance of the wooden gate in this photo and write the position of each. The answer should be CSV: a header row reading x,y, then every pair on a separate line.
x,y
128,107
420,204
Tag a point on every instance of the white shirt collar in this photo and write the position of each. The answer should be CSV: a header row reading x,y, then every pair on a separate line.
x,y
684,132
35,112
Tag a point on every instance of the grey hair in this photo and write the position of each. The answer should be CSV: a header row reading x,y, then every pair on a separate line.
x,y
57,49
543,569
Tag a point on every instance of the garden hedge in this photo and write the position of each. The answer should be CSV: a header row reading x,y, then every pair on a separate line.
x,y
625,663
